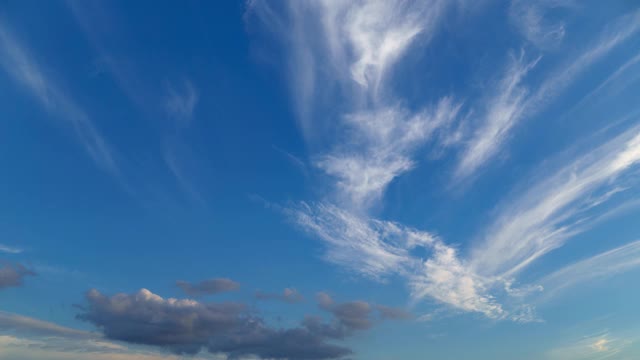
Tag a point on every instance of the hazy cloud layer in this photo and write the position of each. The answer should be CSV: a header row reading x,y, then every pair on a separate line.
x,y
208,287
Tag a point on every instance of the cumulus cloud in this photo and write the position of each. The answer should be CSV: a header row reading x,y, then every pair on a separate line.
x,y
354,315
288,295
358,315
188,326
12,275
208,287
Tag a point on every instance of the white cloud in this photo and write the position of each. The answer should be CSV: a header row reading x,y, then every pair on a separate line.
x,y
503,110
616,261
448,280
381,144
530,18
10,249
373,35
552,210
593,347
24,70
378,249
348,49
369,247
513,101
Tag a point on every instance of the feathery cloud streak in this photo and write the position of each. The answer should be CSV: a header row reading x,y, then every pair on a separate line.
x,y
552,210
513,101
24,70
616,261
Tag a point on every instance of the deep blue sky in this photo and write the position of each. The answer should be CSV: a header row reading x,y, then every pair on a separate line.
x,y
319,180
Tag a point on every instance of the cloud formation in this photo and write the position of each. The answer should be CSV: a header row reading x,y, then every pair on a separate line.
x,y
10,249
208,287
601,266
24,70
187,326
12,275
376,138
553,210
23,337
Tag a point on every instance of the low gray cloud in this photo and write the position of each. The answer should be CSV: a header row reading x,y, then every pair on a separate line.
x,y
208,287
353,315
12,275
360,314
186,326
288,295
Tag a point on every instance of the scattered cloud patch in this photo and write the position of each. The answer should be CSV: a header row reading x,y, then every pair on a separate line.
x,y
12,275
187,327
554,209
601,266
10,249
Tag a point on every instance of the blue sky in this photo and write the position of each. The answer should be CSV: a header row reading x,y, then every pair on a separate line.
x,y
319,180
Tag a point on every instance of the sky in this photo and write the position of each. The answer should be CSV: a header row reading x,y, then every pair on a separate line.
x,y
320,180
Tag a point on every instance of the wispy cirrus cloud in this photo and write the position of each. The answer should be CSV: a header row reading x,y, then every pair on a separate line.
x,y
378,137
372,248
503,110
360,42
593,347
530,18
10,249
601,266
382,143
513,101
375,138
24,70
378,249
552,210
